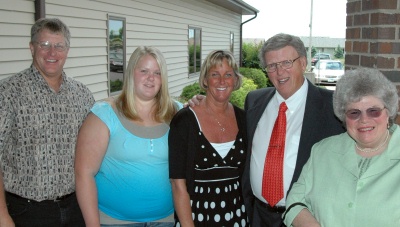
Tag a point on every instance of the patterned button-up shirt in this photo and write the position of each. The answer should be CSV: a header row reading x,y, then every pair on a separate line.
x,y
38,133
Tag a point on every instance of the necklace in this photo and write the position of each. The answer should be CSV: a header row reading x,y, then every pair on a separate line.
x,y
209,110
375,149
222,128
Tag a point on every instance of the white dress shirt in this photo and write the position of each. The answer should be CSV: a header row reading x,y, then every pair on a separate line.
x,y
294,115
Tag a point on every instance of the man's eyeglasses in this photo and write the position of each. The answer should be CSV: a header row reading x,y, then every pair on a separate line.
x,y
46,46
373,112
284,64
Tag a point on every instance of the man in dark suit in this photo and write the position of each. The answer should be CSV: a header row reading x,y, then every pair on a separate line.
x,y
310,118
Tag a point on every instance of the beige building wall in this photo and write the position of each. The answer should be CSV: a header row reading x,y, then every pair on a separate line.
x,y
16,18
160,23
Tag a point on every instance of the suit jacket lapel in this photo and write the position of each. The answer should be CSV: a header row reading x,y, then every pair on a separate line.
x,y
255,112
310,132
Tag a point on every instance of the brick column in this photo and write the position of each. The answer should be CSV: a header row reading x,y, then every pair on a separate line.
x,y
373,37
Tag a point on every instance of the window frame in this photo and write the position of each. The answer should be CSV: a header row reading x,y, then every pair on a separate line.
x,y
123,20
232,42
197,40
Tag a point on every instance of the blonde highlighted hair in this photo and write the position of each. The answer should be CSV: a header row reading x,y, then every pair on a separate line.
x,y
164,108
215,58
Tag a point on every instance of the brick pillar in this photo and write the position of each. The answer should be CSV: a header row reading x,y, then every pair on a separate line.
x,y
373,37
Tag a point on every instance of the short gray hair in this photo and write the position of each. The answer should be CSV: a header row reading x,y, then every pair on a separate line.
x,y
361,82
54,25
280,41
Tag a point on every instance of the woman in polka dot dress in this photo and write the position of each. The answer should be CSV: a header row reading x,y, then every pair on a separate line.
x,y
207,151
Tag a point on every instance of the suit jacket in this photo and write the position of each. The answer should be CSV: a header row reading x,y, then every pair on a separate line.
x,y
319,122
332,188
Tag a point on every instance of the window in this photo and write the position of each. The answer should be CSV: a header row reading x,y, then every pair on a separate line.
x,y
231,45
116,53
194,50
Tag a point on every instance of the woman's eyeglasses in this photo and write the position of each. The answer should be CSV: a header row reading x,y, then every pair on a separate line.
x,y
373,112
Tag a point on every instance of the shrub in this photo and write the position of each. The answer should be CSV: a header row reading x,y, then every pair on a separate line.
x,y
257,75
116,85
339,52
250,55
238,97
190,90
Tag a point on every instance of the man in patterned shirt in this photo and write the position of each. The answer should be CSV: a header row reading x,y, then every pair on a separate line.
x,y
41,110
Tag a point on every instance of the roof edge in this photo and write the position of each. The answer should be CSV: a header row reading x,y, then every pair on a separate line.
x,y
238,6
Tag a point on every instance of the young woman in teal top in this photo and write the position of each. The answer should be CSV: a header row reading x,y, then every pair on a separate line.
x,y
121,161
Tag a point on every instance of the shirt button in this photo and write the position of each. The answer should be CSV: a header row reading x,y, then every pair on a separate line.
x,y
350,205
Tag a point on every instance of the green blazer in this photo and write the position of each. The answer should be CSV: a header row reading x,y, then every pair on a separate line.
x,y
330,186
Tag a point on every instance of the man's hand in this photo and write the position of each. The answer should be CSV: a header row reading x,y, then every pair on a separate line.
x,y
195,100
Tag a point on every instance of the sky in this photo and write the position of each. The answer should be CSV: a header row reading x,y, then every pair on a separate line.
x,y
293,17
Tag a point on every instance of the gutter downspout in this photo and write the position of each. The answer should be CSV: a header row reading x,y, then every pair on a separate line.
x,y
241,38
40,9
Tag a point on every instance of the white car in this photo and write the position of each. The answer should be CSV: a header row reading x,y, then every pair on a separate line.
x,y
328,71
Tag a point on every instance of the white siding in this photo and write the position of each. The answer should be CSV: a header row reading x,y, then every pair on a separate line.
x,y
16,18
160,23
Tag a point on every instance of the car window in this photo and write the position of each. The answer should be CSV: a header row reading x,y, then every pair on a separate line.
x,y
329,65
322,56
116,56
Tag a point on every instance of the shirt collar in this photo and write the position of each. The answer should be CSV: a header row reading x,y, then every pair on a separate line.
x,y
297,99
42,82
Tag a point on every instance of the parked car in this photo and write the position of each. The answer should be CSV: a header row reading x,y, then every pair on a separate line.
x,y
328,71
116,62
319,56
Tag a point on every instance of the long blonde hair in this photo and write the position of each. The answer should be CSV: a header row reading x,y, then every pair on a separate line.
x,y
164,108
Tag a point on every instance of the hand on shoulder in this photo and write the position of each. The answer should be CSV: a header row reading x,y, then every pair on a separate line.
x,y
195,100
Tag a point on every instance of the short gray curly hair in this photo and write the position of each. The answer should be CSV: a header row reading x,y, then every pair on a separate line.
x,y
361,82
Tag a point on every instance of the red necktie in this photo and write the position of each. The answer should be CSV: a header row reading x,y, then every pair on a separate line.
x,y
272,185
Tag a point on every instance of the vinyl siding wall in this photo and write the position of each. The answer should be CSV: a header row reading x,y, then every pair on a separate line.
x,y
16,18
160,23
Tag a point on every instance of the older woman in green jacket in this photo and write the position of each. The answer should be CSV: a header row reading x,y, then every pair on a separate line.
x,y
353,179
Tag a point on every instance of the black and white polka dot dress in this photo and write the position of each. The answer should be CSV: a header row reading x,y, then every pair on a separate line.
x,y
217,199
213,181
